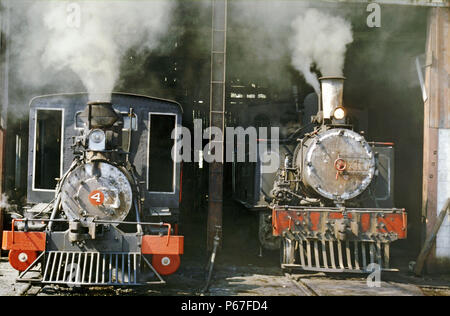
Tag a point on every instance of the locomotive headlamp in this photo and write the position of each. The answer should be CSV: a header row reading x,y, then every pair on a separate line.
x,y
97,140
339,113
97,136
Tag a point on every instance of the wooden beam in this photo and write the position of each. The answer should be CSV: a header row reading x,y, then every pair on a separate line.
x,y
436,119
431,239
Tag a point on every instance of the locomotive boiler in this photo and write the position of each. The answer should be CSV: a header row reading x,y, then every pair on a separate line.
x,y
103,193
320,196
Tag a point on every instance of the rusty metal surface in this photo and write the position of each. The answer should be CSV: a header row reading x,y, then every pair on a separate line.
x,y
342,240
352,224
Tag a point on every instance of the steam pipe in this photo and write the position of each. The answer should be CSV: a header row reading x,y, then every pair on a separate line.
x,y
57,204
138,218
212,260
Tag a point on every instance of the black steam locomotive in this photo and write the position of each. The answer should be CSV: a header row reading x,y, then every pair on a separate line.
x,y
330,206
103,192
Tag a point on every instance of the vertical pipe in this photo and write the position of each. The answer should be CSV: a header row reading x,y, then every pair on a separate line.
x,y
217,119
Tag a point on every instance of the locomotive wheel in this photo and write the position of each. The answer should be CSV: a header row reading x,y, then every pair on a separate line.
x,y
166,264
21,259
287,251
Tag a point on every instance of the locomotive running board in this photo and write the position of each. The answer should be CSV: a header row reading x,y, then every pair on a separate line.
x,y
340,256
79,268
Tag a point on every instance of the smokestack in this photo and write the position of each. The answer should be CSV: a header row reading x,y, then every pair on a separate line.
x,y
332,92
99,115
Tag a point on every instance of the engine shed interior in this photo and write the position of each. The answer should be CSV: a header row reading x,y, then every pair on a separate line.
x,y
382,92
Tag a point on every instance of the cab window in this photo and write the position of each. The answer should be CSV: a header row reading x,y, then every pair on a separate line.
x,y
161,167
47,159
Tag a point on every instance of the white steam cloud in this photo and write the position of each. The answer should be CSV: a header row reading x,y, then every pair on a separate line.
x,y
4,202
320,39
89,38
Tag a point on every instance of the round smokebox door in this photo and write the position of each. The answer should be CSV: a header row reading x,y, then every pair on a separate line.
x,y
97,189
339,164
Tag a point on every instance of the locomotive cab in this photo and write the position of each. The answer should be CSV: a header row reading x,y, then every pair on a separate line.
x,y
103,192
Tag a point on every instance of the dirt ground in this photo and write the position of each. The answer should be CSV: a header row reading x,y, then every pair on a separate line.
x,y
247,280
243,270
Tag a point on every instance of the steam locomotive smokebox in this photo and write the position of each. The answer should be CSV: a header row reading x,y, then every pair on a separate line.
x,y
332,94
337,164
99,115
97,189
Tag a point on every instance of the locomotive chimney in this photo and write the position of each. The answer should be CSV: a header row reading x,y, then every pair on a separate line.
x,y
99,115
332,92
